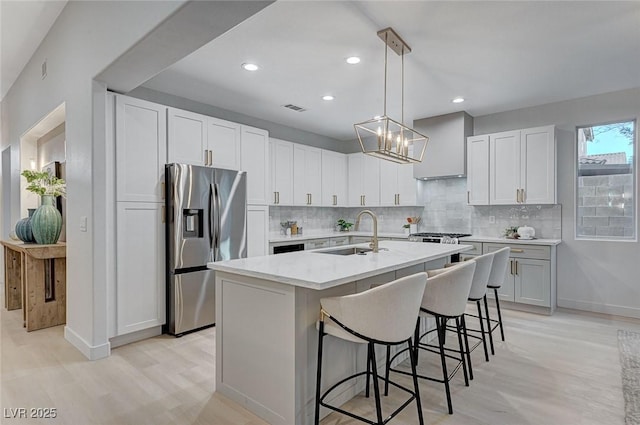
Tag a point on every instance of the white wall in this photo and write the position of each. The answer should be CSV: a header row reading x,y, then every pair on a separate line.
x,y
85,39
597,276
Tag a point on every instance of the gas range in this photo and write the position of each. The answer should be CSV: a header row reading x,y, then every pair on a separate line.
x,y
435,237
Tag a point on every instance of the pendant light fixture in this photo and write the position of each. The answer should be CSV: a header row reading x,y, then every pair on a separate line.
x,y
382,136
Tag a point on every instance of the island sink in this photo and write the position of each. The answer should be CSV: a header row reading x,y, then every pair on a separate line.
x,y
346,251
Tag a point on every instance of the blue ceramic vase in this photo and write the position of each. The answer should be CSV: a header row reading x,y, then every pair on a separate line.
x,y
46,222
23,228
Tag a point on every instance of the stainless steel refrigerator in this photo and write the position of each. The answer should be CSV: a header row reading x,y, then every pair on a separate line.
x,y
207,221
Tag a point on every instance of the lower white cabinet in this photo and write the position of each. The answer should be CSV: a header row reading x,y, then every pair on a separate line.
x,y
530,275
140,266
317,243
344,240
257,230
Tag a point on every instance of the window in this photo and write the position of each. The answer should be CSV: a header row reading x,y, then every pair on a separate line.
x,y
606,189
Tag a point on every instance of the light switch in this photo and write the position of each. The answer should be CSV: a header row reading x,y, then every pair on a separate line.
x,y
492,219
83,223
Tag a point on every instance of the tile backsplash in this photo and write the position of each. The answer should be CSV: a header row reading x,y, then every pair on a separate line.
x,y
445,210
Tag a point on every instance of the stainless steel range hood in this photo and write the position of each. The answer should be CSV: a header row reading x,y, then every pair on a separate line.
x,y
446,154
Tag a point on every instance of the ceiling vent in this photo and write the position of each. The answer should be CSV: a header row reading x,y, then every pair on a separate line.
x,y
294,108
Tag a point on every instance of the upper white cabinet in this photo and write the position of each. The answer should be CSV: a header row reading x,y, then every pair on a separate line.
x,y
538,165
281,154
334,179
141,143
307,179
254,159
200,140
364,180
478,170
224,140
187,140
397,185
521,167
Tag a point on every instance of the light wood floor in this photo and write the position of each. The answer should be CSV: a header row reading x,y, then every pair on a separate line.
x,y
558,370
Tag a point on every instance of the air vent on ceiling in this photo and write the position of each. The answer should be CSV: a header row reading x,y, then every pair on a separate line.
x,y
294,107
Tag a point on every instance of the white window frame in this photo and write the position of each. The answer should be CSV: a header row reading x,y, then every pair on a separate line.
x,y
576,186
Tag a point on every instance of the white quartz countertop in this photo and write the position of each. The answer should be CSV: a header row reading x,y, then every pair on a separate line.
x,y
276,238
315,270
511,241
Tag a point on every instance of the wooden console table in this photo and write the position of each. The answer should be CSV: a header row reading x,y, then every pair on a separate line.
x,y
36,281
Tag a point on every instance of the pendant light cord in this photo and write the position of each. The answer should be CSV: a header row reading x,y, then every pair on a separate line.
x,y
386,49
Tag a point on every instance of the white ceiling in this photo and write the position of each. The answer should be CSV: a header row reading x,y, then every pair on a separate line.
x,y
498,55
23,26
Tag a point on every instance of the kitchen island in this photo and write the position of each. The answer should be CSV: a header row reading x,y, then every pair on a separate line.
x,y
266,310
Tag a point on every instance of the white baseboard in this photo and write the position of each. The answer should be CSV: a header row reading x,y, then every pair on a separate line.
x,y
91,352
616,310
120,340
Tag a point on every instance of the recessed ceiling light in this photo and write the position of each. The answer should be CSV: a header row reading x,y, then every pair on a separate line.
x,y
353,60
328,97
458,100
250,67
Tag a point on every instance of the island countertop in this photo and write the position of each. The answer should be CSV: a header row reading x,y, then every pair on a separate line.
x,y
317,270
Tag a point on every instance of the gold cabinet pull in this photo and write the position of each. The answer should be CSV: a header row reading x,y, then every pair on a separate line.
x,y
518,196
206,157
210,157
516,268
335,199
468,194
163,213
162,189
522,195
275,197
517,250
512,267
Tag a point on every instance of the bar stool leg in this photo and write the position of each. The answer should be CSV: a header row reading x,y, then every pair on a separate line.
x,y
413,358
416,339
484,340
376,384
366,391
440,324
466,342
495,290
464,362
486,309
387,369
319,372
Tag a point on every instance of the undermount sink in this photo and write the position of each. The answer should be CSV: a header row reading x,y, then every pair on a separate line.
x,y
347,251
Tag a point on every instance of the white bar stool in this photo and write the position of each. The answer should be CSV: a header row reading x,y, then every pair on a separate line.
x,y
445,298
496,279
384,315
477,293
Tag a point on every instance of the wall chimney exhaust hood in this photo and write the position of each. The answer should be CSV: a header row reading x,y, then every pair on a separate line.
x,y
446,154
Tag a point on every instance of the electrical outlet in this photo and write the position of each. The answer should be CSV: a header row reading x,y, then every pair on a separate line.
x,y
492,219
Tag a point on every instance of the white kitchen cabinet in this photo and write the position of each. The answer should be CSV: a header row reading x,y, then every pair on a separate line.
x,y
140,266
397,185
478,170
317,244
281,159
334,179
364,180
538,165
339,241
257,230
530,275
223,144
307,175
201,140
141,150
254,159
187,138
522,167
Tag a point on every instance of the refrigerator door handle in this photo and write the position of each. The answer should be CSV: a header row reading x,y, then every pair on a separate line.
x,y
218,224
211,221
